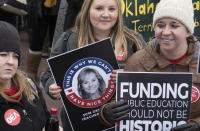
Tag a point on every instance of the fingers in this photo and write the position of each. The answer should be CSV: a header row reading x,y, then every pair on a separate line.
x,y
116,111
121,113
118,103
125,116
122,108
113,76
54,91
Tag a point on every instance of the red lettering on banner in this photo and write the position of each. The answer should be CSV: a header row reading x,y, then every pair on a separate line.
x,y
75,99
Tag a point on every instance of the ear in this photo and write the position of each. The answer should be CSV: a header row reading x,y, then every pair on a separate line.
x,y
188,34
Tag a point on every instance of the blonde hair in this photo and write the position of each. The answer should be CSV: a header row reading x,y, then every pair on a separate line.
x,y
119,32
23,87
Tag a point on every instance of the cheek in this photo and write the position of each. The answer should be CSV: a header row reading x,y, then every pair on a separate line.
x,y
115,17
157,32
16,64
85,86
93,17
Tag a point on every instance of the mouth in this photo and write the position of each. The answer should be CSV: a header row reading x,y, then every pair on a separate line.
x,y
166,39
104,21
9,70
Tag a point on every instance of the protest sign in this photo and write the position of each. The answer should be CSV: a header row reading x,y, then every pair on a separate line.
x,y
84,75
138,16
159,101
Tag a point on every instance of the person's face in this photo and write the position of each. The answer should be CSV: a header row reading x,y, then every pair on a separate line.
x,y
90,83
103,15
8,65
170,34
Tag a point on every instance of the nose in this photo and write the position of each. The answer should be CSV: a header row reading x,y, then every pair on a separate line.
x,y
166,31
90,84
10,60
105,13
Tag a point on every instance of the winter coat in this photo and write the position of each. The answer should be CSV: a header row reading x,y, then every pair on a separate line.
x,y
23,117
150,60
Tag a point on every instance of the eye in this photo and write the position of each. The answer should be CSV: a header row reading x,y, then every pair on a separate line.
x,y
112,9
85,83
160,25
99,8
174,25
16,56
3,54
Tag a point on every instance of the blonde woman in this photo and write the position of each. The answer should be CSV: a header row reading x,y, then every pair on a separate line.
x,y
91,84
98,19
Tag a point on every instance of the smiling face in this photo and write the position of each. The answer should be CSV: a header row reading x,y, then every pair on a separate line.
x,y
103,15
90,83
171,35
8,65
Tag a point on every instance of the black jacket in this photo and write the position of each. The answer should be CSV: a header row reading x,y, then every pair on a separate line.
x,y
26,117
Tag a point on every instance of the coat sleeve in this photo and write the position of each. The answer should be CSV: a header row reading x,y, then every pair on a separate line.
x,y
102,118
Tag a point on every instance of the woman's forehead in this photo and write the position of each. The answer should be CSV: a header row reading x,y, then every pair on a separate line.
x,y
168,19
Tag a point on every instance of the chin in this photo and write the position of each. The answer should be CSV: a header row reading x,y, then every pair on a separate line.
x,y
7,77
167,48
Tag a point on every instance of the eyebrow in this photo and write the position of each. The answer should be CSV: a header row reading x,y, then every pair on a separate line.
x,y
173,22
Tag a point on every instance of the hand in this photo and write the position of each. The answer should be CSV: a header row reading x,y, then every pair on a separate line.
x,y
116,111
54,91
191,126
113,76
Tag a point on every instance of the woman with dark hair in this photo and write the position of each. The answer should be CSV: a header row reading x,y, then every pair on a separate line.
x,y
90,84
22,105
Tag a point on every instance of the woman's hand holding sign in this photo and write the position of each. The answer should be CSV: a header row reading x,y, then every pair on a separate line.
x,y
54,91
116,111
113,76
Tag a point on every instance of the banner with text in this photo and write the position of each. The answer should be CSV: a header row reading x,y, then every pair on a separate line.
x,y
159,101
138,15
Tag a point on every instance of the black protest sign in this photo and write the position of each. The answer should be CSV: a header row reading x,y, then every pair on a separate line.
x,y
138,16
159,101
84,75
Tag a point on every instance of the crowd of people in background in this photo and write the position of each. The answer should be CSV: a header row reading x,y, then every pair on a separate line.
x,y
173,44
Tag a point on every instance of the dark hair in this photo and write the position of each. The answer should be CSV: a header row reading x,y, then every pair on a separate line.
x,y
102,85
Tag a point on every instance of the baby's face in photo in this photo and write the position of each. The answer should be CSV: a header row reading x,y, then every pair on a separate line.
x,y
90,83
